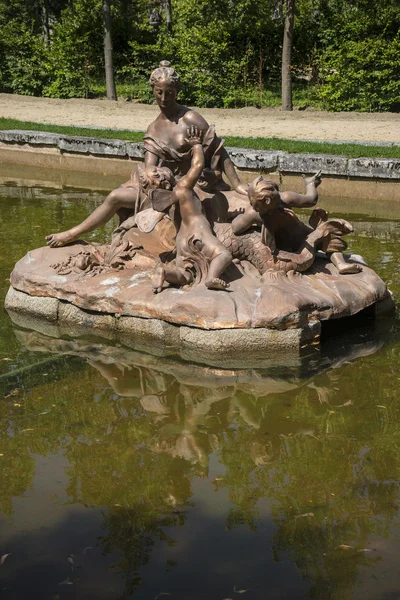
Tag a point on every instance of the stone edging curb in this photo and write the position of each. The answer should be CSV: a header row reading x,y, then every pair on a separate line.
x,y
243,158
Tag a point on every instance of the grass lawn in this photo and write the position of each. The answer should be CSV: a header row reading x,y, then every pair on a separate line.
x,y
258,143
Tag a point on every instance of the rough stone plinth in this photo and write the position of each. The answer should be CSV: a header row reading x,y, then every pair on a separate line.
x,y
274,301
260,315
215,347
292,369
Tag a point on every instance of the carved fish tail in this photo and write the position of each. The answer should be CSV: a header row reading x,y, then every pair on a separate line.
x,y
261,256
247,246
197,262
295,261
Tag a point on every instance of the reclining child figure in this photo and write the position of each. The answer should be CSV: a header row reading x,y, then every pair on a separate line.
x,y
200,256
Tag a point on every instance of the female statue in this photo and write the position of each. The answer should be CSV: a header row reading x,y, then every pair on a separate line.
x,y
165,145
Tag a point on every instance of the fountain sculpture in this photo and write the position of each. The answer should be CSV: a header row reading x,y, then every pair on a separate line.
x,y
195,264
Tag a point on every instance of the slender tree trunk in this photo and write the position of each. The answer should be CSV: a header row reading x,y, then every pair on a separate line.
x,y
46,25
287,56
168,15
260,78
108,52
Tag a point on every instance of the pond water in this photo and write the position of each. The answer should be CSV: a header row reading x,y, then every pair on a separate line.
x,y
127,475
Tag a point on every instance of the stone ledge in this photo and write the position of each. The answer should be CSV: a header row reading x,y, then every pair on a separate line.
x,y
243,158
74,144
257,160
384,168
34,138
96,146
331,164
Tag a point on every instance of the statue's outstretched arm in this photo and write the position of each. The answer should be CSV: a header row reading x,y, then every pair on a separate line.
x,y
310,198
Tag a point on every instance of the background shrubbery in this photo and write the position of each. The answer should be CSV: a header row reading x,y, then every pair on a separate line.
x,y
228,52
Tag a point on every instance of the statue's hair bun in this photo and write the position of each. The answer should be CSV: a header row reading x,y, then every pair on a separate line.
x,y
165,72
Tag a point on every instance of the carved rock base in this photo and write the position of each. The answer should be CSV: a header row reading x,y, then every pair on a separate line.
x,y
259,316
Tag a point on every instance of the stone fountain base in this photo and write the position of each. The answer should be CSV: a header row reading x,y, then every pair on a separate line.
x,y
258,316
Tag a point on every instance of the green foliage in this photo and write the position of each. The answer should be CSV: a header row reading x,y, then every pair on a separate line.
x,y
75,51
23,65
228,54
24,68
361,75
220,49
358,54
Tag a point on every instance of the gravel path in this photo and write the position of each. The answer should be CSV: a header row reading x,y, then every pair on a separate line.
x,y
246,122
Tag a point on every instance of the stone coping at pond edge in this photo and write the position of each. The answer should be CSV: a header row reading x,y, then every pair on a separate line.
x,y
257,160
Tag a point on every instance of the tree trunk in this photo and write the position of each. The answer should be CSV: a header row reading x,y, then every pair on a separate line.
x,y
260,76
168,15
46,25
108,52
287,56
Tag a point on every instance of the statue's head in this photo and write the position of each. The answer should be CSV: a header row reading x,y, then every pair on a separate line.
x,y
263,194
165,83
156,178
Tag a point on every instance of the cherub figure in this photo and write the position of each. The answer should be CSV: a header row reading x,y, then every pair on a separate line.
x,y
198,252
283,231
129,199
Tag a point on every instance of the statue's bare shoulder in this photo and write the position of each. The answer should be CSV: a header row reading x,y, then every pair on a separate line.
x,y
152,129
191,117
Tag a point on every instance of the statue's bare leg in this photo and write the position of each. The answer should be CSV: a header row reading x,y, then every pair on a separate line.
x,y
217,267
177,276
119,198
158,279
342,265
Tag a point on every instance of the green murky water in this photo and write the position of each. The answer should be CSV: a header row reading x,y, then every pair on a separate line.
x,y
126,475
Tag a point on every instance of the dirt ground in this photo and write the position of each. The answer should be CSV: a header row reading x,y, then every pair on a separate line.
x,y
246,122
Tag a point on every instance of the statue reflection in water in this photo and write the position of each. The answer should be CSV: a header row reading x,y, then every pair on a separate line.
x,y
278,434
192,406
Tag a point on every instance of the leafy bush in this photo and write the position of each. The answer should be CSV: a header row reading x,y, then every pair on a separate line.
x,y
227,52
75,50
24,66
361,75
